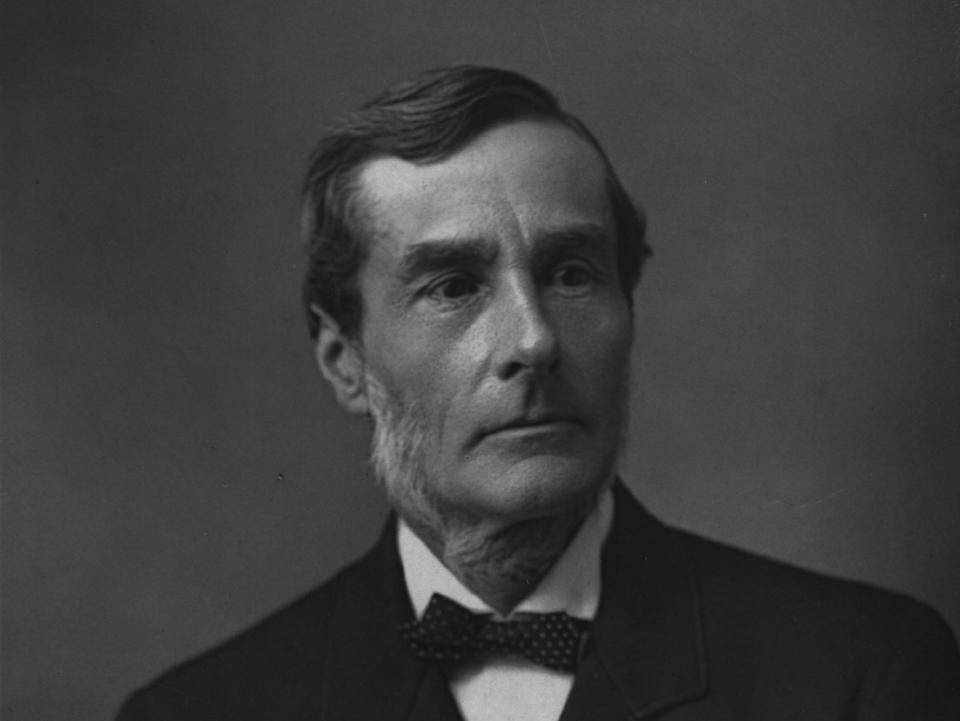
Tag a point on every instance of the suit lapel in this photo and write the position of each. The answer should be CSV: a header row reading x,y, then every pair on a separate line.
x,y
646,651
370,673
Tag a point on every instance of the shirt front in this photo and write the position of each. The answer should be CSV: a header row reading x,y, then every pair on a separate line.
x,y
510,687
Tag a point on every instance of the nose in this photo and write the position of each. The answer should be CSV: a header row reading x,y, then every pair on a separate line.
x,y
526,339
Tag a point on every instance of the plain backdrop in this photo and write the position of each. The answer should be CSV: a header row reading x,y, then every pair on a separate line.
x,y
175,468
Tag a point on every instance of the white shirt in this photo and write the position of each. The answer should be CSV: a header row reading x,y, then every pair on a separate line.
x,y
511,687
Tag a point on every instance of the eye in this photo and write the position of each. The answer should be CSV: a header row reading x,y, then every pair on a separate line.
x,y
573,276
452,288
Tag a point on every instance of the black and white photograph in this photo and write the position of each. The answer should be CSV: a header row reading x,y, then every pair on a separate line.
x,y
480,361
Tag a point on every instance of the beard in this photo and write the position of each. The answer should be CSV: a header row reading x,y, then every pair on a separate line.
x,y
482,557
519,554
398,458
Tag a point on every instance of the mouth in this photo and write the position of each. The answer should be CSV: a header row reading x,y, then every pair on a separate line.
x,y
533,425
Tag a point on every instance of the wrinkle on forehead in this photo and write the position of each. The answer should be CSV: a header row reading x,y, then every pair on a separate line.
x,y
513,176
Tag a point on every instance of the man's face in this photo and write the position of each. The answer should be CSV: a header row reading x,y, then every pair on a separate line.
x,y
494,326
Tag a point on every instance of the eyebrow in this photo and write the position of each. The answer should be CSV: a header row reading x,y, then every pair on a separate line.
x,y
433,255
572,237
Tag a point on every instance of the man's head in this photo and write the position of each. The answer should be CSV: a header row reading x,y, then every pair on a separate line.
x,y
423,120
472,260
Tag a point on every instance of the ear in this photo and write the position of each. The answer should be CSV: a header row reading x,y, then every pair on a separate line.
x,y
341,363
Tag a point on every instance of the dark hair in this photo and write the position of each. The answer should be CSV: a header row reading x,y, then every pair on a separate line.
x,y
424,120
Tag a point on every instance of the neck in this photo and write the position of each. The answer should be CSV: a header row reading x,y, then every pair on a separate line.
x,y
504,564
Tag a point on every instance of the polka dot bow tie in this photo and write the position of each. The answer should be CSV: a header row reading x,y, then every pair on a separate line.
x,y
449,632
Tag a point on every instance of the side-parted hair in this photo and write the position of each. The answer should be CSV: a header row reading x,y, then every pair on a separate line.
x,y
424,120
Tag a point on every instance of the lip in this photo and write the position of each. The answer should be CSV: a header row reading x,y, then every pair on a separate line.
x,y
532,426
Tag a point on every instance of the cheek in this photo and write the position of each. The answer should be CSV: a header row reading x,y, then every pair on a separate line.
x,y
598,363
601,342
425,374
619,341
409,381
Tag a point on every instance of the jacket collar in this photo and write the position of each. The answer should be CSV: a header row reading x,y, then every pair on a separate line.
x,y
369,671
646,652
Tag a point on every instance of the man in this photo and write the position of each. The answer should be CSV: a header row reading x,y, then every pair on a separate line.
x,y
472,258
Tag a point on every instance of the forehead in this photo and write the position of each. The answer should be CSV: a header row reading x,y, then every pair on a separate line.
x,y
518,178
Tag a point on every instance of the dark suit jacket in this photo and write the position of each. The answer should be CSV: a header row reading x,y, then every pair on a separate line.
x,y
686,629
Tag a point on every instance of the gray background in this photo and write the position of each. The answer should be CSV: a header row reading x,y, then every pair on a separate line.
x,y
173,466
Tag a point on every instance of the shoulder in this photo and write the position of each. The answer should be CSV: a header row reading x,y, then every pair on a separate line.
x,y
769,633
888,653
753,585
269,663
737,584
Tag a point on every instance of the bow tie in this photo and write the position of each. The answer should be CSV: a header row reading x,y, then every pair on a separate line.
x,y
449,632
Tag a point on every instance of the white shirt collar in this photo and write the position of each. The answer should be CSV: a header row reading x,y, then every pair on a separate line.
x,y
572,585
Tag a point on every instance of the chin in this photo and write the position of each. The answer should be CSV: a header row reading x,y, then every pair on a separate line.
x,y
537,487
